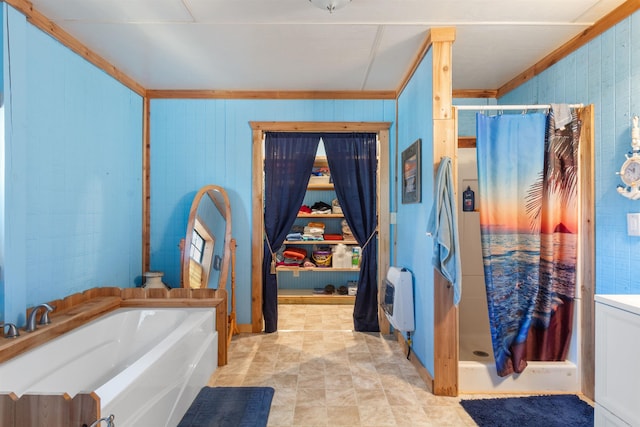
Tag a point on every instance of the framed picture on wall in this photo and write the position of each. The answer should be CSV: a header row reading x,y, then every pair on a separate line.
x,y
411,173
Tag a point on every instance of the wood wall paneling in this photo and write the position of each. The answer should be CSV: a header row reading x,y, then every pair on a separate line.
x,y
7,409
146,186
257,221
36,410
384,207
235,94
475,93
466,142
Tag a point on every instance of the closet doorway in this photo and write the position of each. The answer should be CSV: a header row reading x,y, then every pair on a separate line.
x,y
381,129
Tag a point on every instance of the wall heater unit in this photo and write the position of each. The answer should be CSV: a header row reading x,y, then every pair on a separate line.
x,y
398,299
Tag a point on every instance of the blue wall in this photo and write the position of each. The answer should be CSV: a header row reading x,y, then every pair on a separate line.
x,y
467,118
14,164
2,162
606,73
200,142
414,249
73,188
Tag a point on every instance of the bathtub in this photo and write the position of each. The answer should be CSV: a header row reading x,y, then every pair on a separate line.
x,y
145,365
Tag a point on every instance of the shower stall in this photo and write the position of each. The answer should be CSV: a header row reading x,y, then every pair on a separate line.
x,y
477,371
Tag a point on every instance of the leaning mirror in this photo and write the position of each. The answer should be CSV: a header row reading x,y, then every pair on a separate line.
x,y
206,252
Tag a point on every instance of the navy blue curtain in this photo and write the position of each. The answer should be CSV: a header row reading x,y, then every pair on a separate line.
x,y
353,164
288,161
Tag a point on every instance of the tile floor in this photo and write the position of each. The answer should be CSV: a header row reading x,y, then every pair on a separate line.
x,y
326,375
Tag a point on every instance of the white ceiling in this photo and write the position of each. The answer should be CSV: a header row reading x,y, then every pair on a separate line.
x,y
283,45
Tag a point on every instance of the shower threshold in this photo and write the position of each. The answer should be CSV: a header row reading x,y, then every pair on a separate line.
x,y
543,377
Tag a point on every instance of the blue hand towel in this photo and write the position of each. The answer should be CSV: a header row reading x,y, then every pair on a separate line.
x,y
443,227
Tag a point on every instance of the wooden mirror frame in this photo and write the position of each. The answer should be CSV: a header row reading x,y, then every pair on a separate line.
x,y
218,196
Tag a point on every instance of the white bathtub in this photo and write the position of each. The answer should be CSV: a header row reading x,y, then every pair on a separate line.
x,y
145,365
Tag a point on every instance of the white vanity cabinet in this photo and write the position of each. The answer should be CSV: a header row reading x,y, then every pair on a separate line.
x,y
617,376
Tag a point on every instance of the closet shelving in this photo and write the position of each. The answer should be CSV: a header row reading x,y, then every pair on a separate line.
x,y
296,274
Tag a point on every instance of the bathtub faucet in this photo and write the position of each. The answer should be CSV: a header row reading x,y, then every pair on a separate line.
x,y
44,319
12,332
108,420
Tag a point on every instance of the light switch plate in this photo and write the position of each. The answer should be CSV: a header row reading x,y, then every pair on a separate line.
x,y
633,224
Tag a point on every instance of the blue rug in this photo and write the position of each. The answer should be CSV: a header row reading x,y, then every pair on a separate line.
x,y
229,407
564,410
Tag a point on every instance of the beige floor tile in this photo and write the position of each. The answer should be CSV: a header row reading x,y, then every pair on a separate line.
x,y
374,397
341,397
401,397
280,416
448,415
325,374
411,415
366,381
312,381
310,416
285,380
343,416
376,415
227,380
311,397
338,381
285,397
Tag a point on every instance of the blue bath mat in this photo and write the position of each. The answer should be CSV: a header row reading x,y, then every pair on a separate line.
x,y
564,410
229,407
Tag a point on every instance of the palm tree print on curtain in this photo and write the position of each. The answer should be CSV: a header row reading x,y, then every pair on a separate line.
x,y
525,174
553,205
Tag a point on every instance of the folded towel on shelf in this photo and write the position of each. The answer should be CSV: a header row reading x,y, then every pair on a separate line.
x,y
295,253
346,231
320,208
294,236
335,207
289,262
329,236
313,230
312,237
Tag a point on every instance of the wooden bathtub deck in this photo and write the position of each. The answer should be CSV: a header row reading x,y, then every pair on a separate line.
x,y
79,309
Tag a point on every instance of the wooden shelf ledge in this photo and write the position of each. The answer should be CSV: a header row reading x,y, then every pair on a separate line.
x,y
306,296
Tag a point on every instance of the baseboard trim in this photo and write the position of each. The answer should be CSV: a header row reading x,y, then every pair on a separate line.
x,y
245,328
422,371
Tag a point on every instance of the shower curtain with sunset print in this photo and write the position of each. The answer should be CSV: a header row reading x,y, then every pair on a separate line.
x,y
527,171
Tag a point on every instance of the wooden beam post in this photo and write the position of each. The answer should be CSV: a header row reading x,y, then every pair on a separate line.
x,y
586,252
444,144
